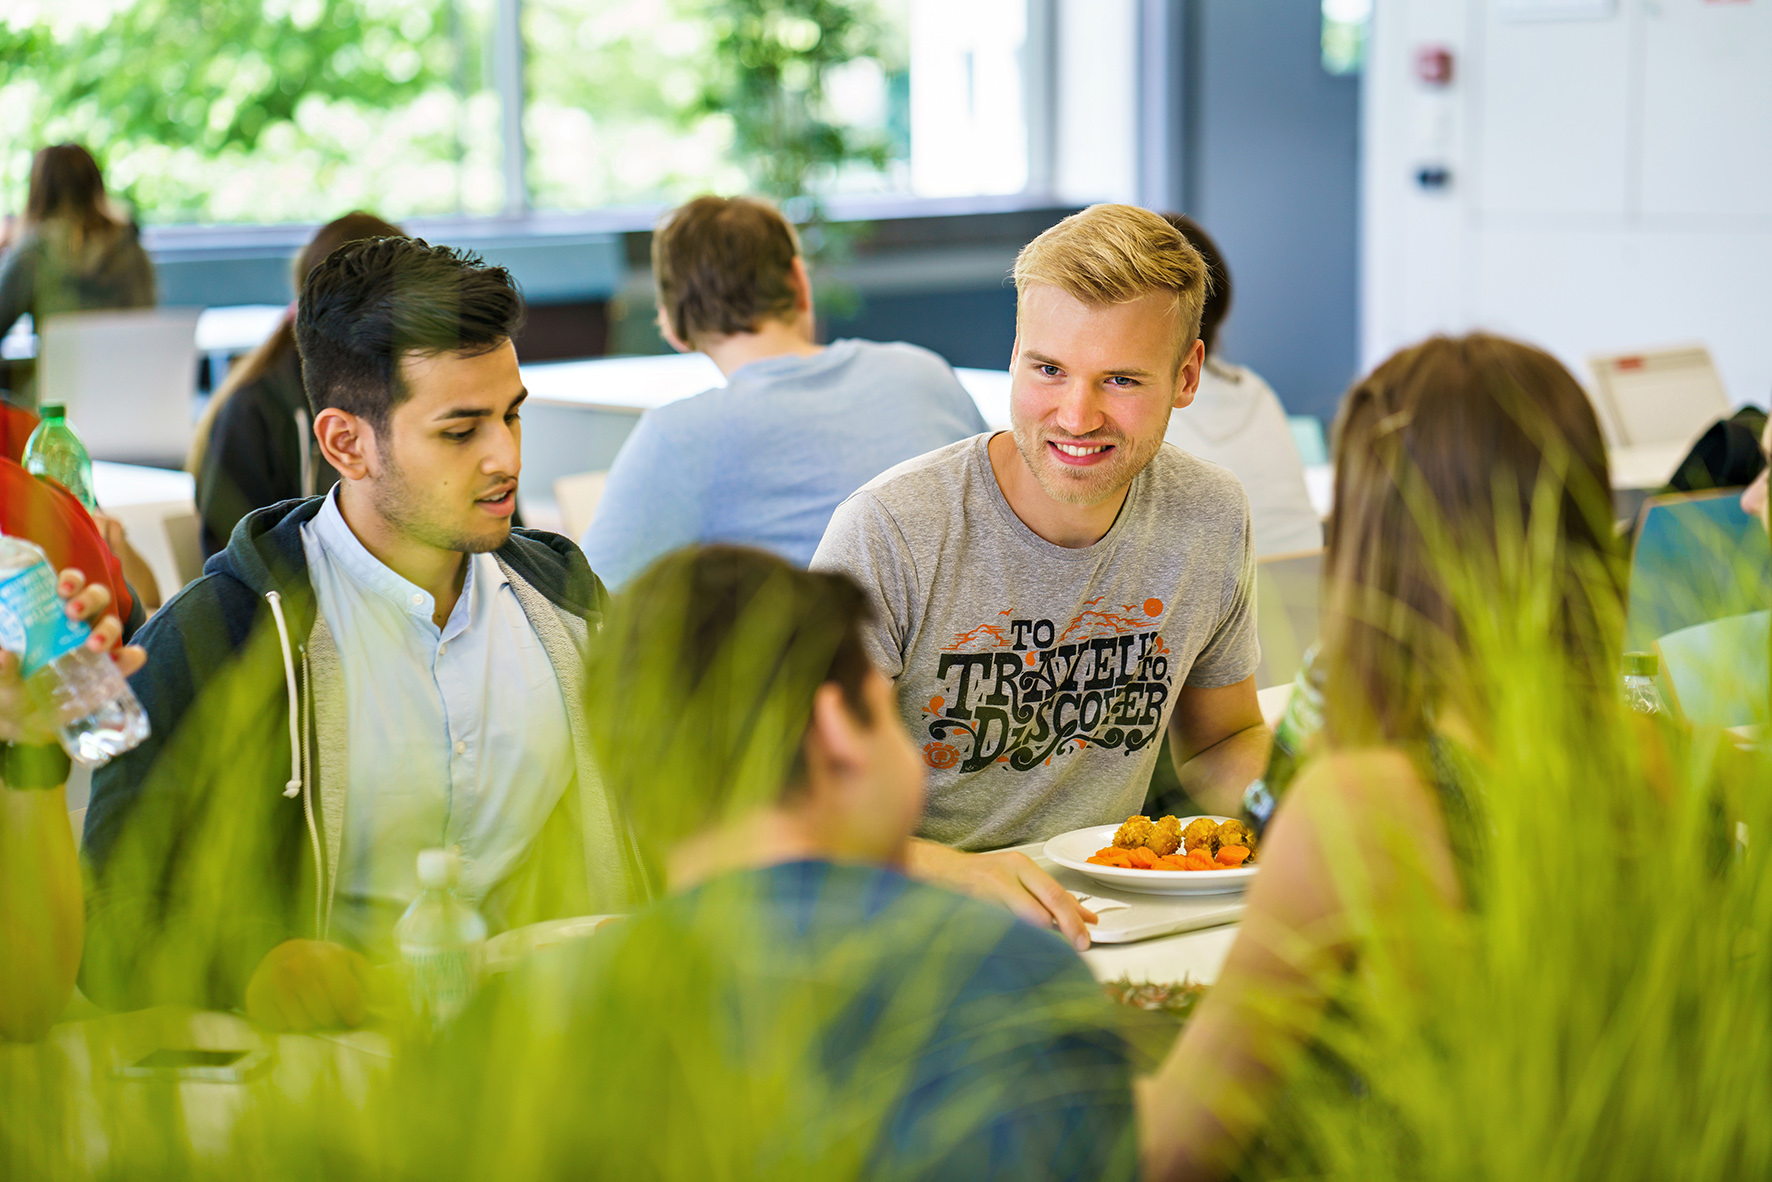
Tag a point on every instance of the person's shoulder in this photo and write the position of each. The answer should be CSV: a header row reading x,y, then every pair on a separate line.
x,y
912,480
1176,472
554,565
902,355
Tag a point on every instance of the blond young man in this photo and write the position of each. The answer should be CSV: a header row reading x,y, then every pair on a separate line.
x,y
1054,600
765,459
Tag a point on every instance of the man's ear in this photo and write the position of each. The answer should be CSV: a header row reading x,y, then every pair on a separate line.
x,y
347,442
669,334
836,744
1187,378
801,279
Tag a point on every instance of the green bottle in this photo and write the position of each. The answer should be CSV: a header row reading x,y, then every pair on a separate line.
x,y
54,451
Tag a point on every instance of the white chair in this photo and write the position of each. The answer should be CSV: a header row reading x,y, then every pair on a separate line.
x,y
127,379
1287,589
577,498
1665,397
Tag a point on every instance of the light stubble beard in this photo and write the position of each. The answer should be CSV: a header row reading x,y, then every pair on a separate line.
x,y
402,505
1084,486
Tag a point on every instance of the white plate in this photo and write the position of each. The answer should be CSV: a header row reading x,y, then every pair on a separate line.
x,y
1073,849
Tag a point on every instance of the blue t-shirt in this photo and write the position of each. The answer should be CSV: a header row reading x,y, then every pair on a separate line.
x,y
842,1018
765,460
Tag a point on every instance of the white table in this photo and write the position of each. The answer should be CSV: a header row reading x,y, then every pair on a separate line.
x,y
634,385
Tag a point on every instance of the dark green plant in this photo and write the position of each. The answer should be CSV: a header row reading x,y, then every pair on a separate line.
x,y
769,65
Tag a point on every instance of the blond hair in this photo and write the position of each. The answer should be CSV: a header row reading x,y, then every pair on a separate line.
x,y
1114,254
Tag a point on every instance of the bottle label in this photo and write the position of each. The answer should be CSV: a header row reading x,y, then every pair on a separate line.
x,y
33,622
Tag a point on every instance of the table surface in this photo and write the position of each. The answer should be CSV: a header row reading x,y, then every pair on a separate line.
x,y
633,385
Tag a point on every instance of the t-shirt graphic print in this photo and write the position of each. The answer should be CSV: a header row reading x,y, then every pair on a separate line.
x,y
1037,680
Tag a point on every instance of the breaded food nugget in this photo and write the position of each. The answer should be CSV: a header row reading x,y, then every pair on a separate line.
x,y
1165,837
1235,832
1201,832
1133,833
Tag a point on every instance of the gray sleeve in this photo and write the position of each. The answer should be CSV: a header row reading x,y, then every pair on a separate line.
x,y
864,542
1234,650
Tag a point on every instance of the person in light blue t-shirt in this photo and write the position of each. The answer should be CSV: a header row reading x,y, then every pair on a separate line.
x,y
766,459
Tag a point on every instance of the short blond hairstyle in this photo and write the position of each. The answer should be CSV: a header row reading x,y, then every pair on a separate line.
x,y
1114,254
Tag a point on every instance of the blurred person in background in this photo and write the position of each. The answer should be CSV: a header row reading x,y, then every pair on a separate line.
x,y
1055,600
72,251
1236,421
795,999
255,444
765,459
360,676
42,913
1426,447
1754,497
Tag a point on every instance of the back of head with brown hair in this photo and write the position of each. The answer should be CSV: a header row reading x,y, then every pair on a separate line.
x,y
67,186
1443,455
723,265
1114,254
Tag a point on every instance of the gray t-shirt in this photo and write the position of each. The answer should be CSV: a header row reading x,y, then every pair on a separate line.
x,y
1039,680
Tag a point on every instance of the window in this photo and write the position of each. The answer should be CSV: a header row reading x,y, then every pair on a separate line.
x,y
260,111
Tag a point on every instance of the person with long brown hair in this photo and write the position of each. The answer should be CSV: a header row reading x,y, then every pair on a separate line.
x,y
1465,470
254,445
72,251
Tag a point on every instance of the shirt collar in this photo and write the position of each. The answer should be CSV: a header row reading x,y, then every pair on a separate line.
x,y
352,557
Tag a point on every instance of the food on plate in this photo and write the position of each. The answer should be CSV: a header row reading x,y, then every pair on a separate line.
x,y
1205,844
1165,836
1133,833
1200,832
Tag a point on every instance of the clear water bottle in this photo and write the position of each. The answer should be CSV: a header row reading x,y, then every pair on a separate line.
x,y
1639,690
441,939
97,712
55,451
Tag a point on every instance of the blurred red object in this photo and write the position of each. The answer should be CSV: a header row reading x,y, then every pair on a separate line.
x,y
44,512
1433,65
16,425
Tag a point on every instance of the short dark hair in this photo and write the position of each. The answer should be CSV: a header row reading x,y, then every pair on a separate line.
x,y
702,682
372,302
1218,278
722,265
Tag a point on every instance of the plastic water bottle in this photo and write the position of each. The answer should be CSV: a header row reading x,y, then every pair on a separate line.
x,y
97,713
441,939
1639,690
54,451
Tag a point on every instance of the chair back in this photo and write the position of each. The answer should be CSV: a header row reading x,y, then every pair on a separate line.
x,y
1720,673
577,497
1698,557
127,378
1288,589
1667,396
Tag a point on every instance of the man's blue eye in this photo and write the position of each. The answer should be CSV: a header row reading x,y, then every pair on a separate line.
x,y
1049,370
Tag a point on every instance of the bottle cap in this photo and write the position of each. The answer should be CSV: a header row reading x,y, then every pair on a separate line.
x,y
53,410
1641,665
438,869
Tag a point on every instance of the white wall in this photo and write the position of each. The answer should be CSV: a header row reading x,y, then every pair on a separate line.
x,y
1096,109
1611,179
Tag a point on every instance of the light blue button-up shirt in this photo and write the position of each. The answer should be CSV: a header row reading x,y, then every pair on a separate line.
x,y
457,735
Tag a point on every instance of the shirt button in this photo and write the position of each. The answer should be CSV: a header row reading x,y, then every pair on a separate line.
x,y
417,599
443,648
461,747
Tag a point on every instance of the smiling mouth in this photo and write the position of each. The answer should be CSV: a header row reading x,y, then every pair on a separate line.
x,y
1080,451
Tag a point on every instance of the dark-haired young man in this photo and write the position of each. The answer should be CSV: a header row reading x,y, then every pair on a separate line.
x,y
764,460
795,998
360,676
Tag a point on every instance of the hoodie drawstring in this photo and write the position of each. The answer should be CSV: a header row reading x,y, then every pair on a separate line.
x,y
298,780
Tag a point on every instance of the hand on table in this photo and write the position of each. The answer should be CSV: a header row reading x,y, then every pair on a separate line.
x,y
21,719
304,985
1008,878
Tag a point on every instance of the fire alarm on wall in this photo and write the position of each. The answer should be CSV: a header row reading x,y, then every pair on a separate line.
x,y
1433,65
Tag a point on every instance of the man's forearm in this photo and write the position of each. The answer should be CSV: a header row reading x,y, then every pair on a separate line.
x,y
1216,777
